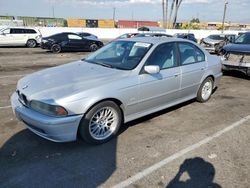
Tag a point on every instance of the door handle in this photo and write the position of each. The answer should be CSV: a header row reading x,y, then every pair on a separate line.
x,y
176,75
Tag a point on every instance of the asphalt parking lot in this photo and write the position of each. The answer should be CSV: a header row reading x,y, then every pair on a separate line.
x,y
190,145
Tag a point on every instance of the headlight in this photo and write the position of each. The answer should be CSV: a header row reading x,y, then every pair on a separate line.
x,y
48,109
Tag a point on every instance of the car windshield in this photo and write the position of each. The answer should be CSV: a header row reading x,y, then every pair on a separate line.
x,y
243,39
216,37
124,55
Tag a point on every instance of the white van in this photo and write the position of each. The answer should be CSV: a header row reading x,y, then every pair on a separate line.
x,y
20,37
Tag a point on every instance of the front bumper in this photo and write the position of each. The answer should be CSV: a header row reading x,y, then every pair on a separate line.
x,y
62,129
242,67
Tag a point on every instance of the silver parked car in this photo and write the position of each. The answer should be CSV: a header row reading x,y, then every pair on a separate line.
x,y
124,80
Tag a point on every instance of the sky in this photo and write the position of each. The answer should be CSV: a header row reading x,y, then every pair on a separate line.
x,y
205,10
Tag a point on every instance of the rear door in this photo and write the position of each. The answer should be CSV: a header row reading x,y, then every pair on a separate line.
x,y
158,90
193,65
19,36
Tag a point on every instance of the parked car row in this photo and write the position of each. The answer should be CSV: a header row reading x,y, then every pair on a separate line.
x,y
235,50
70,42
56,43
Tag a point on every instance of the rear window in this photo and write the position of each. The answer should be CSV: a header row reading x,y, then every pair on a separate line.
x,y
243,39
21,31
30,31
216,37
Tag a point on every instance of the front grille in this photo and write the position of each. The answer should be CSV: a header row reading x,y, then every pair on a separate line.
x,y
22,98
238,58
207,44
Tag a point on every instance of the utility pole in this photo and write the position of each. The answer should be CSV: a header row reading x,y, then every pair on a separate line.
x,y
224,16
163,13
53,11
114,10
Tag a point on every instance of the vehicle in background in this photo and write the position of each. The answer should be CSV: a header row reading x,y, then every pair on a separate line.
x,y
215,43
87,35
188,36
127,35
12,36
237,55
153,35
123,81
69,42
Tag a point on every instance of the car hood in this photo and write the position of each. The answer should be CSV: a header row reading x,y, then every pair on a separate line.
x,y
211,41
65,80
237,48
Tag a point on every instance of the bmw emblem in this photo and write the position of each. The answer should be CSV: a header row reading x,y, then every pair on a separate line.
x,y
24,87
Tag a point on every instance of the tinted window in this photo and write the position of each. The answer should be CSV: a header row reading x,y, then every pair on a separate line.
x,y
190,54
17,31
243,39
164,56
74,37
85,34
30,31
216,37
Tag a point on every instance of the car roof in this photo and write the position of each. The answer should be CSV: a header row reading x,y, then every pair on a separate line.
x,y
20,28
154,40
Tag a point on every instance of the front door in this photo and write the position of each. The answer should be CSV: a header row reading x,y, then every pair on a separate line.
x,y
161,89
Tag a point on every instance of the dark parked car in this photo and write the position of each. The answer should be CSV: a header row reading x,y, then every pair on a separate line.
x,y
87,35
69,42
188,36
215,43
237,55
153,35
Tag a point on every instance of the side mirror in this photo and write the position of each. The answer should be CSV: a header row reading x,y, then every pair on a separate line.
x,y
152,69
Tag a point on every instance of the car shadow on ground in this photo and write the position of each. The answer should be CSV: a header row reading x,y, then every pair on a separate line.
x,y
194,173
27,160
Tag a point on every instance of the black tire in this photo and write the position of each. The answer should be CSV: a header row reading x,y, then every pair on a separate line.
x,y
199,97
84,128
56,48
31,43
93,47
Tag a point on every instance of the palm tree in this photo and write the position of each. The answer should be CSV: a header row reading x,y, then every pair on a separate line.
x,y
177,6
166,14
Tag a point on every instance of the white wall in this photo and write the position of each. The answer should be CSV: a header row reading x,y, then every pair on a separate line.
x,y
112,33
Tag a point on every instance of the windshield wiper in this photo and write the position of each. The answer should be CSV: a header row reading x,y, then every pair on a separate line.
x,y
104,64
99,63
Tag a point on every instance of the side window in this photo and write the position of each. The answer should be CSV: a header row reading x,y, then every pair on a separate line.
x,y
17,31
74,37
190,54
164,56
200,55
30,31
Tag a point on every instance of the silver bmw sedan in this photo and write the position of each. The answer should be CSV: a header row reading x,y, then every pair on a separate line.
x,y
123,81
